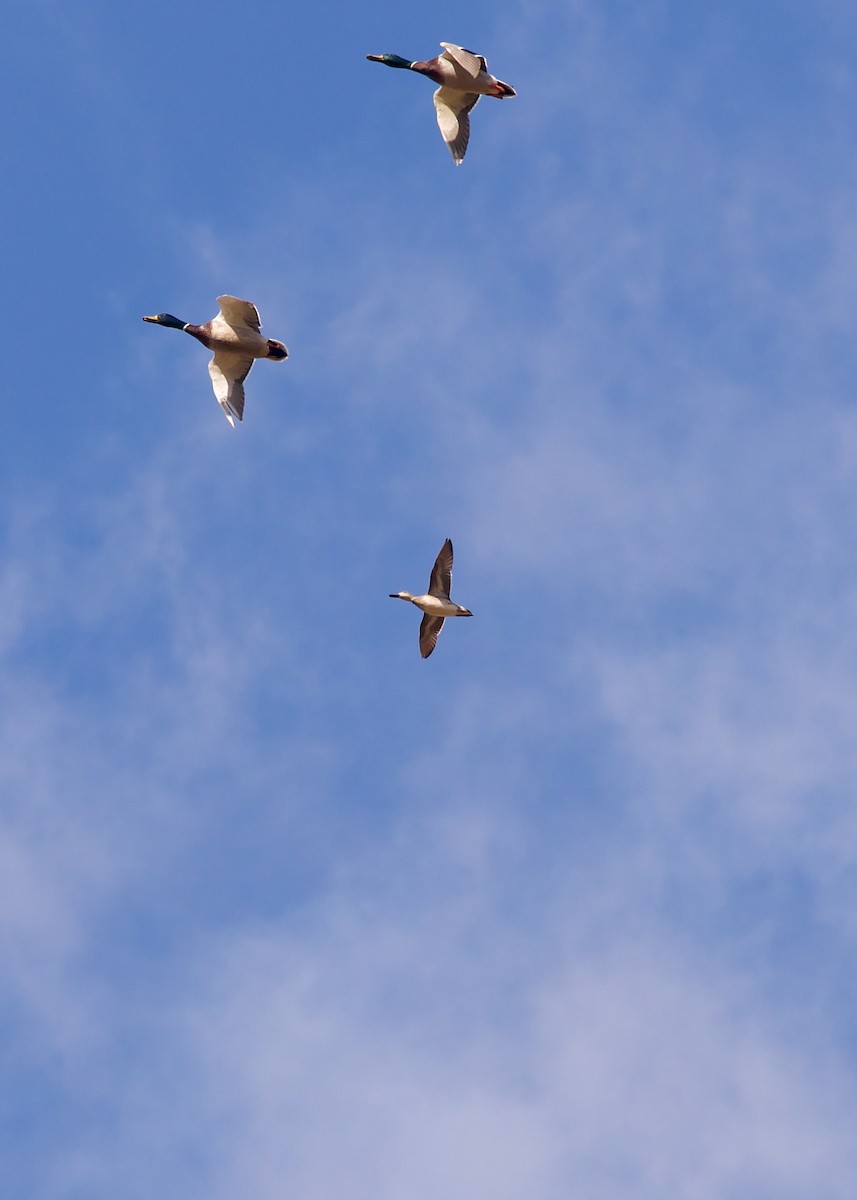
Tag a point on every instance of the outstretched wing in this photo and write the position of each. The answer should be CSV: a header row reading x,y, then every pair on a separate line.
x,y
441,573
237,312
465,59
453,108
430,627
228,372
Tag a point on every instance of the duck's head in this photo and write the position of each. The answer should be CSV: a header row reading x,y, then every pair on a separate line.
x,y
390,60
166,319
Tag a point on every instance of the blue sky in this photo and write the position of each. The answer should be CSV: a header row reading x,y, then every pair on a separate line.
x,y
566,910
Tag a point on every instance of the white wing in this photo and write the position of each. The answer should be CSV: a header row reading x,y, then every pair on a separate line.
x,y
453,108
465,59
228,372
237,312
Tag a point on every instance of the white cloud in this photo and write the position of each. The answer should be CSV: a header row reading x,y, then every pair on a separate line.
x,y
306,916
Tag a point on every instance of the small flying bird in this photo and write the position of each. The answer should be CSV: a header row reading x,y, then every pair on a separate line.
x,y
234,337
463,78
436,604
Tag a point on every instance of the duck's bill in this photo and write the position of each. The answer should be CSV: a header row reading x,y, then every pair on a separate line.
x,y
154,320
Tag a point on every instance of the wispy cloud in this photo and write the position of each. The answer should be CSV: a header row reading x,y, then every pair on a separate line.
x,y
565,909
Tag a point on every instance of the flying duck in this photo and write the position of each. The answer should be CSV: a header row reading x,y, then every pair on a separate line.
x,y
436,604
234,337
463,78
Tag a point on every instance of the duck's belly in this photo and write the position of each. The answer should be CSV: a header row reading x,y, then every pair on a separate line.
x,y
224,337
461,81
435,607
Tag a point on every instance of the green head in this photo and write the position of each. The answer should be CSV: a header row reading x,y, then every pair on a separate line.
x,y
391,60
167,319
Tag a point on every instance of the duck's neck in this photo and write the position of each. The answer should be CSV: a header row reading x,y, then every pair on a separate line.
x,y
392,60
167,319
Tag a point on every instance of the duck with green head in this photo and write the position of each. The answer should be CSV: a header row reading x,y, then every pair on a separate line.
x,y
463,78
233,334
